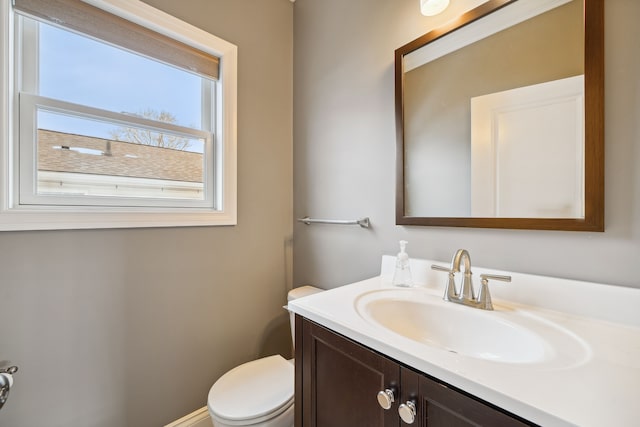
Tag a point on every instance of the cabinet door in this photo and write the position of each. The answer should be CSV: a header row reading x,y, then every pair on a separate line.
x,y
440,405
339,380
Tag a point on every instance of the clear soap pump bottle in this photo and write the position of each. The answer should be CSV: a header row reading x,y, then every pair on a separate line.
x,y
402,274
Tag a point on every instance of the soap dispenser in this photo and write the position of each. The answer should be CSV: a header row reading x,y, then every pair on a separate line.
x,y
402,274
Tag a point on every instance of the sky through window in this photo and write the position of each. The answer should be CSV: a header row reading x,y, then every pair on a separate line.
x,y
81,70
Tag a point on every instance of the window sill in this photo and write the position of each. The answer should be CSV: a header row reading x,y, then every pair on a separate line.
x,y
63,219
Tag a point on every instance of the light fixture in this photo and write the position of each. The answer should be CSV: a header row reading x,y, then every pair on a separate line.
x,y
433,7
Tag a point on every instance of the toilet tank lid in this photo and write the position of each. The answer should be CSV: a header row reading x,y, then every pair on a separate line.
x,y
255,390
302,291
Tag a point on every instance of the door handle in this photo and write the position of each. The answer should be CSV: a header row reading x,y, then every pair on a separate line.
x,y
6,381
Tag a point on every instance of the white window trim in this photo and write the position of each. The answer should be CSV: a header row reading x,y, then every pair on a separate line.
x,y
16,217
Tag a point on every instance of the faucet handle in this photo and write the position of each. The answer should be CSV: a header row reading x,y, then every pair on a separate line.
x,y
484,297
440,268
450,290
495,277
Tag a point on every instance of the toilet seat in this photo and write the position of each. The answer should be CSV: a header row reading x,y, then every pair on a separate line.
x,y
253,392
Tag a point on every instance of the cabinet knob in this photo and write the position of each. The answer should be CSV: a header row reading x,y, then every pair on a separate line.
x,y
407,412
386,398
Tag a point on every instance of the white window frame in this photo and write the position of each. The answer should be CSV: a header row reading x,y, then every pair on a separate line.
x,y
14,216
29,106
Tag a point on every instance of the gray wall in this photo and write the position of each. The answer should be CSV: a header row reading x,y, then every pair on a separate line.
x,y
116,328
344,154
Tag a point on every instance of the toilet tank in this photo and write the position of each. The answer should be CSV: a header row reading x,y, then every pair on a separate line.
x,y
296,293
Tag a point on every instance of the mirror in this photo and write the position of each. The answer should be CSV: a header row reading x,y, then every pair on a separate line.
x,y
500,119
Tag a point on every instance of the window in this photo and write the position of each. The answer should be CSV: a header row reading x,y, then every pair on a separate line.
x,y
113,124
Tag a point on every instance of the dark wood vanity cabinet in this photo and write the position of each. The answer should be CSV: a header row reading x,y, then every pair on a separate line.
x,y
441,405
337,382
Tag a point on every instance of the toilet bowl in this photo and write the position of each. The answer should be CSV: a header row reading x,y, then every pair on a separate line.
x,y
258,393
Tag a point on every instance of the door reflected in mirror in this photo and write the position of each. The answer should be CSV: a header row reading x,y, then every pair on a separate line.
x,y
491,119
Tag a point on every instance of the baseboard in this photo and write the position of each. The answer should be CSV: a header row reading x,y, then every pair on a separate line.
x,y
198,418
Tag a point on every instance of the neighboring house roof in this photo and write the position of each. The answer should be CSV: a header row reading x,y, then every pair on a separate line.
x,y
65,152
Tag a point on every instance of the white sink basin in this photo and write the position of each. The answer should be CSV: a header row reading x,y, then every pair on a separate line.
x,y
505,335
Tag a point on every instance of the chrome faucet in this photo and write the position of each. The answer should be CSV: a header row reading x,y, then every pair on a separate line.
x,y
467,296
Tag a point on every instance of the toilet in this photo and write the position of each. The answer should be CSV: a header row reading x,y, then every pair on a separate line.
x,y
258,393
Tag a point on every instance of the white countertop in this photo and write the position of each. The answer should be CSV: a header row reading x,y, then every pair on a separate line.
x,y
600,389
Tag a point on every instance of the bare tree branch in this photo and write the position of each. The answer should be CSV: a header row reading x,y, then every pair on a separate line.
x,y
150,137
